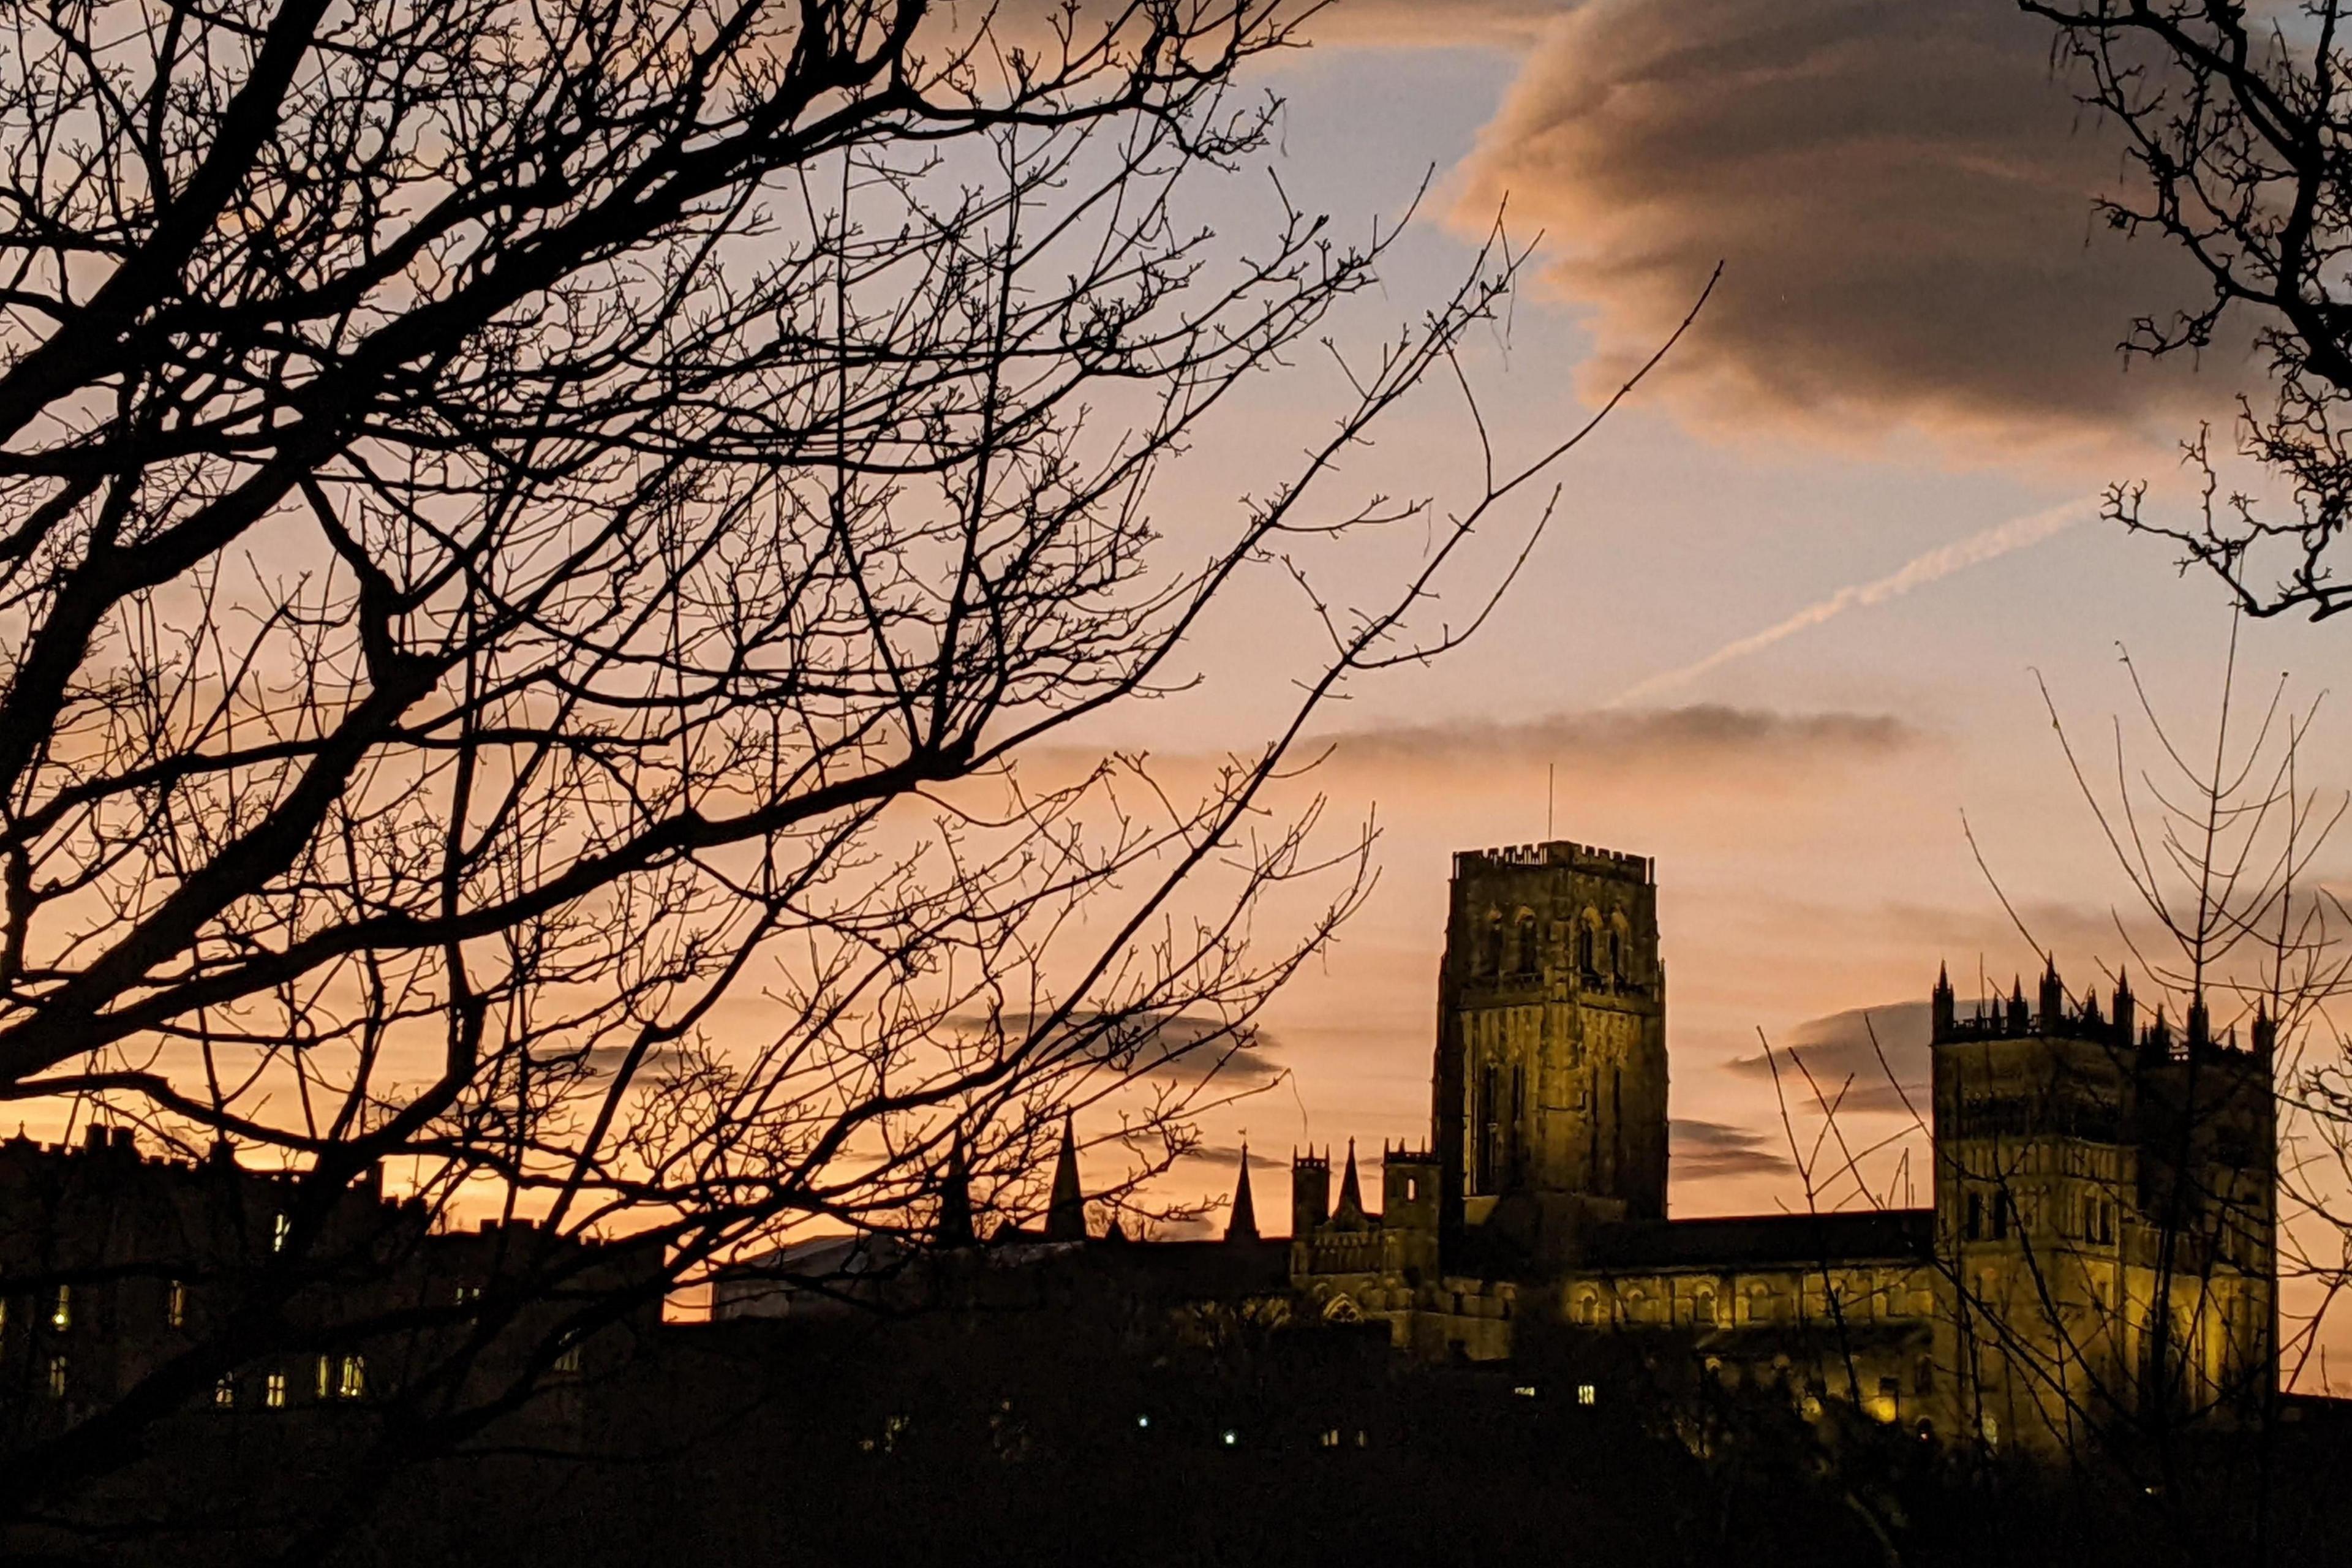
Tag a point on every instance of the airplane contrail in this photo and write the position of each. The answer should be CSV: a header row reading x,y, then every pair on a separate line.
x,y
2017,533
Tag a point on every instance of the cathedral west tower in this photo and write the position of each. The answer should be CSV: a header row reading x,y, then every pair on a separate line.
x,y
1550,1081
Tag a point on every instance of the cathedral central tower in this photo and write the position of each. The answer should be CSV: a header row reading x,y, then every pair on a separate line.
x,y
1550,1082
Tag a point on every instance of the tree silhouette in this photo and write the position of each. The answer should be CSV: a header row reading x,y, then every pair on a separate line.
x,y
534,541
2238,126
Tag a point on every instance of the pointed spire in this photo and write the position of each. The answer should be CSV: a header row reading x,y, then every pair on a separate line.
x,y
1351,1193
1942,1022
2017,1014
1242,1225
953,1226
2265,1035
1065,1214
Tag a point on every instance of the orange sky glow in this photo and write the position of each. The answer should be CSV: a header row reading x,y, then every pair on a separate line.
x,y
1788,631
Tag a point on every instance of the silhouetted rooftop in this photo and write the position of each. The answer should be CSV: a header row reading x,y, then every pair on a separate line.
x,y
1761,1240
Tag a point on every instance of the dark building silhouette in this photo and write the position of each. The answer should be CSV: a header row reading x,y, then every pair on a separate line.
x,y
113,1262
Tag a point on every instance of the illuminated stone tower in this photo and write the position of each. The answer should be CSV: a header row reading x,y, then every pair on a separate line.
x,y
1550,1082
2106,1214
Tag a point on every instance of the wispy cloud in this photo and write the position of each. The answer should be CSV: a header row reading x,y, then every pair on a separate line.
x,y
1178,1046
1704,1151
1624,739
1229,1155
2017,533
1847,1067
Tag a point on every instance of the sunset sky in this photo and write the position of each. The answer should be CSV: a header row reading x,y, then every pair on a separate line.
x,y
1785,628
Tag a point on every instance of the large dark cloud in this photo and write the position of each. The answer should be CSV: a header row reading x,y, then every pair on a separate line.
x,y
1435,23
1900,190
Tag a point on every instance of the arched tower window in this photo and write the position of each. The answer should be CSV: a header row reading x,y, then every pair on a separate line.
x,y
1515,1151
1486,1130
1530,953
1584,935
1490,961
1616,953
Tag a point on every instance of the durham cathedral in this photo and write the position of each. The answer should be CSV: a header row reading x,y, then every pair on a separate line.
x,y
2102,1234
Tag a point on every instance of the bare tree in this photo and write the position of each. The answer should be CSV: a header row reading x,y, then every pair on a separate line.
x,y
2239,127
536,538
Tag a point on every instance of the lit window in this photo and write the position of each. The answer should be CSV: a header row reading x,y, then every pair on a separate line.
x,y
353,1383
1143,1421
1587,1395
284,1228
56,1377
274,1392
61,1312
1331,1437
1525,1390
567,1360
468,1293
1229,1436
175,1305
224,1392
326,1375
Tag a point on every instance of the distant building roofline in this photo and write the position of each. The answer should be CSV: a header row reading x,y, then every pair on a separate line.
x,y
1780,1240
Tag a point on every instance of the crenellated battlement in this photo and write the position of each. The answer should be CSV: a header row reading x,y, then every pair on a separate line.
x,y
1559,853
2152,1043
